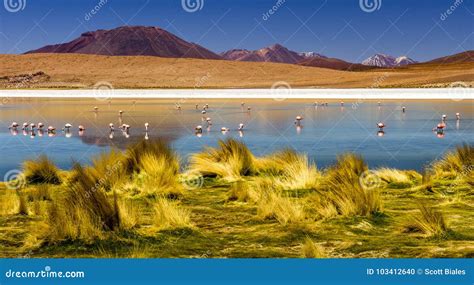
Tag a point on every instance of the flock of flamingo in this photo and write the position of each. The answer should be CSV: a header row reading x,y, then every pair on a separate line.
x,y
32,129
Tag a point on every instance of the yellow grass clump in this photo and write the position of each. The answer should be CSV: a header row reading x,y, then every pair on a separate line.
x,y
311,249
428,222
458,162
230,160
169,215
345,193
41,171
290,170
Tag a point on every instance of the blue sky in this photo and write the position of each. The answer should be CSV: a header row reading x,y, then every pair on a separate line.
x,y
337,28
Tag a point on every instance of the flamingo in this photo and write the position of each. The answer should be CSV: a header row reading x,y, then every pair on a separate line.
x,y
198,129
32,126
403,109
25,126
298,120
444,117
379,103
209,122
249,109
51,129
146,127
96,109
67,127
40,126
381,126
458,116
120,113
342,103
241,127
224,130
111,126
13,126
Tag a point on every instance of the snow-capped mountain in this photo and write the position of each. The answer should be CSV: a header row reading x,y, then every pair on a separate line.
x,y
311,54
404,60
383,60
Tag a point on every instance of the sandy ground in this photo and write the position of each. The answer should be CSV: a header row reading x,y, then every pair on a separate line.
x,y
85,71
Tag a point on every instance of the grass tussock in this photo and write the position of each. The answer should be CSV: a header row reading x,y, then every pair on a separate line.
x,y
83,211
230,160
272,205
345,193
169,215
9,202
22,205
310,249
460,162
154,169
242,191
428,221
398,178
290,169
108,169
41,171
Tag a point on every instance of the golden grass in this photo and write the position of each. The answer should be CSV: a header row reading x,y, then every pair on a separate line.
x,y
108,169
289,169
9,202
311,249
169,215
344,192
128,213
272,205
392,176
41,171
230,160
457,162
428,222
79,71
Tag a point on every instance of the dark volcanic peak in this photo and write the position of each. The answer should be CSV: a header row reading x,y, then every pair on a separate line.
x,y
131,40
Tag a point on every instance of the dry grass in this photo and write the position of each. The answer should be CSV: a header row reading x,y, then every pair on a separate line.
x,y
41,171
428,222
9,202
129,214
169,215
344,193
230,160
458,162
398,177
108,169
311,249
79,71
272,205
290,170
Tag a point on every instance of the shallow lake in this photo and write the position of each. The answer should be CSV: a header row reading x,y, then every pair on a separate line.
x,y
408,141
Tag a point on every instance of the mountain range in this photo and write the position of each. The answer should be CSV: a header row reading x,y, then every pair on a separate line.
x,y
154,41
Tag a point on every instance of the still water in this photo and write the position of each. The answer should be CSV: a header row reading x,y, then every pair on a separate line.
x,y
408,140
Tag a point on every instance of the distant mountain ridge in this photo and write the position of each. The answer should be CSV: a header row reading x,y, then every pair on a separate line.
x,y
154,41
131,40
383,60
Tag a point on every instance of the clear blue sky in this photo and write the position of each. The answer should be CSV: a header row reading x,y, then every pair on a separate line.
x,y
337,28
